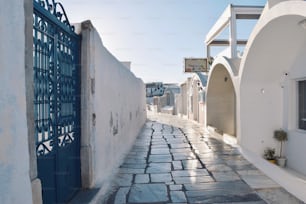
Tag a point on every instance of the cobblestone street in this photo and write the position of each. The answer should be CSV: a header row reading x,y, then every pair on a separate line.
x,y
174,161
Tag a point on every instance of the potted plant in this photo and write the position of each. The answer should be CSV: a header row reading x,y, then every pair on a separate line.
x,y
269,154
281,136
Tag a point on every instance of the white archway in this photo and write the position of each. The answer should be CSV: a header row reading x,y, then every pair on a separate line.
x,y
273,63
221,97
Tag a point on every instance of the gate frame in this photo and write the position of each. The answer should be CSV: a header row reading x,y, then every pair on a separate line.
x,y
29,83
36,184
87,92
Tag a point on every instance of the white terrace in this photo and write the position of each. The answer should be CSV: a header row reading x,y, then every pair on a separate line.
x,y
229,19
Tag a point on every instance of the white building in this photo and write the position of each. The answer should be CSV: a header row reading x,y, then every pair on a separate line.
x,y
272,91
264,90
191,101
162,102
111,114
196,97
222,87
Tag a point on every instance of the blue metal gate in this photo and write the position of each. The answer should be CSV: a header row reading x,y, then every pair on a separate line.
x,y
56,101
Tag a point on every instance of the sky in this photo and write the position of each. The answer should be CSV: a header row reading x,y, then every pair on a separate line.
x,y
155,35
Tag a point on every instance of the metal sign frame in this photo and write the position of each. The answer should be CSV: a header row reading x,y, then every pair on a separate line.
x,y
192,65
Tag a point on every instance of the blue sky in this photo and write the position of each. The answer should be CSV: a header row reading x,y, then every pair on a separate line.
x,y
154,35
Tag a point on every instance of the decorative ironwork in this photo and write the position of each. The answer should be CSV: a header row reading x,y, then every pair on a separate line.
x,y
56,101
56,9
55,68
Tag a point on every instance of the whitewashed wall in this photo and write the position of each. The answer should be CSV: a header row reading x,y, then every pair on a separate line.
x,y
184,99
116,107
274,61
221,95
195,97
15,185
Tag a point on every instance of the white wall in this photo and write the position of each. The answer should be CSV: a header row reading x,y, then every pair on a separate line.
x,y
119,105
274,60
221,95
295,146
264,83
195,95
15,185
221,101
184,98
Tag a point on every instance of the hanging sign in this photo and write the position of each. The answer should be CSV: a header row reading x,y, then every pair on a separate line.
x,y
195,65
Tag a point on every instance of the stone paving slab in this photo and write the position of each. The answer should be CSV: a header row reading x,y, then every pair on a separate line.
x,y
159,168
187,155
191,172
234,186
161,177
226,176
218,167
219,197
175,161
192,164
142,178
176,187
131,171
178,196
160,158
193,179
148,193
177,165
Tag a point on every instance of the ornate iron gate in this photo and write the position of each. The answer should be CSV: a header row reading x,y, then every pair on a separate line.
x,y
56,101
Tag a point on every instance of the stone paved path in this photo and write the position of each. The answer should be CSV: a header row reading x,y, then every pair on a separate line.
x,y
175,161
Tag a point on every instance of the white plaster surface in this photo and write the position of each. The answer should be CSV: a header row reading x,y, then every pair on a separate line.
x,y
274,61
119,105
221,95
15,185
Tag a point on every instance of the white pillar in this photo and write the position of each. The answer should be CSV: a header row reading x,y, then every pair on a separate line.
x,y
233,34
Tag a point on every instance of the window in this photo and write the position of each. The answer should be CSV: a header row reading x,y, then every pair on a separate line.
x,y
302,104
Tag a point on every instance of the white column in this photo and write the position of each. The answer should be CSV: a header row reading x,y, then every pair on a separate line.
x,y
233,34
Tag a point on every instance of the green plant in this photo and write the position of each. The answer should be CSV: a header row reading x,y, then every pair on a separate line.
x,y
281,136
269,153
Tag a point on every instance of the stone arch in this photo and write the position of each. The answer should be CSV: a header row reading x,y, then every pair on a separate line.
x,y
221,97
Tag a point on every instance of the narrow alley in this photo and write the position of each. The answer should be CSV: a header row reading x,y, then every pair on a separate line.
x,y
174,160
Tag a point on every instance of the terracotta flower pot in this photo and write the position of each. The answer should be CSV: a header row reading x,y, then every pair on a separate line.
x,y
273,161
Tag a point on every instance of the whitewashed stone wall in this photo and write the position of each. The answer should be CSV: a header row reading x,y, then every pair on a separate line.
x,y
15,184
113,109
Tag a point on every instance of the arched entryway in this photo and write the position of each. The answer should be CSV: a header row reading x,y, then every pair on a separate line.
x,y
221,100
271,77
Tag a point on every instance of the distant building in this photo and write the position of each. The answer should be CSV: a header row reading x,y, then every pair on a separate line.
x,y
154,89
191,101
161,97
